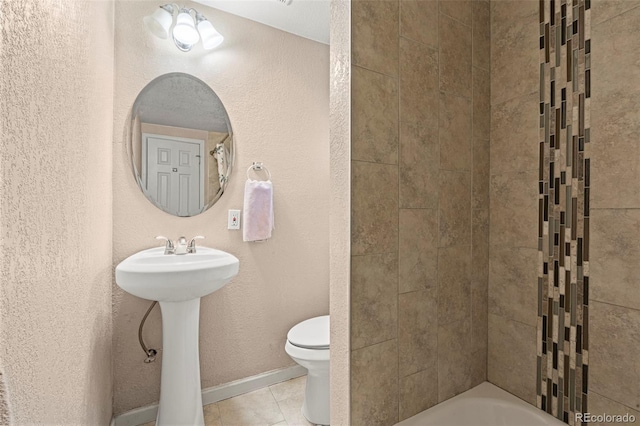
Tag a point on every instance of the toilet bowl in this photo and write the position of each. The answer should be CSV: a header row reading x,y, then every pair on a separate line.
x,y
308,345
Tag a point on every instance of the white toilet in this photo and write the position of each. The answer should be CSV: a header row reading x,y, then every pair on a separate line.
x,y
308,345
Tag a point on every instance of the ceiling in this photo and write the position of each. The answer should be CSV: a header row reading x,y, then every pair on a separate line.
x,y
305,18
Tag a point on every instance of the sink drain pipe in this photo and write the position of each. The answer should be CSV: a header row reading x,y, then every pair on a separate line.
x,y
150,353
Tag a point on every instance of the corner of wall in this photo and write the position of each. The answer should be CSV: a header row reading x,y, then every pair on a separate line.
x,y
340,210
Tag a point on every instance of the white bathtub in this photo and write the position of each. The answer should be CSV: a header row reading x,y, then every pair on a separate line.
x,y
484,405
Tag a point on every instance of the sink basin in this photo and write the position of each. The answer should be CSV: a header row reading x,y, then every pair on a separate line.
x,y
150,274
178,282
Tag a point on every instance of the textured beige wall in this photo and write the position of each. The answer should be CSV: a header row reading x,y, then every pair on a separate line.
x,y
5,411
419,202
614,296
340,213
55,305
275,87
513,239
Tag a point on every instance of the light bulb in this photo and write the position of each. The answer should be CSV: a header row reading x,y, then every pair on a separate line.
x,y
210,37
160,21
185,32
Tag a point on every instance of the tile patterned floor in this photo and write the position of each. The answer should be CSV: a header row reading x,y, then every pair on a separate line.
x,y
276,405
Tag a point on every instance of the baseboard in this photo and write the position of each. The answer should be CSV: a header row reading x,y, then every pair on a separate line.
x,y
148,413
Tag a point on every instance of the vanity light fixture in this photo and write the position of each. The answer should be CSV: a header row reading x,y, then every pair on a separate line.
x,y
188,29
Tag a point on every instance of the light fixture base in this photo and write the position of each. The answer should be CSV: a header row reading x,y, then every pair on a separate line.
x,y
182,46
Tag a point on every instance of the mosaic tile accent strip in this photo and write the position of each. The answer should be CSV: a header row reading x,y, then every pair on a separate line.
x,y
563,236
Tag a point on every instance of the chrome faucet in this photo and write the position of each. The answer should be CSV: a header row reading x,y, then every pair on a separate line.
x,y
181,246
169,248
191,248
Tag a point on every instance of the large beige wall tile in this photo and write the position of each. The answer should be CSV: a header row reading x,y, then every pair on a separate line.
x,y
454,284
512,357
614,343
615,122
598,404
418,392
614,257
514,209
480,247
513,41
514,28
479,279
418,249
455,208
459,10
455,56
454,359
417,331
455,132
515,36
374,117
481,174
419,165
374,208
374,299
418,82
374,385
419,21
478,366
481,103
513,283
374,35
514,135
603,10
515,80
505,12
479,319
481,34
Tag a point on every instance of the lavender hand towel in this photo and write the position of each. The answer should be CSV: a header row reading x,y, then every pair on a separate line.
x,y
258,210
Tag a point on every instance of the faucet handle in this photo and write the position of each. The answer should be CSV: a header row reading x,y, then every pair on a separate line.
x,y
169,248
191,248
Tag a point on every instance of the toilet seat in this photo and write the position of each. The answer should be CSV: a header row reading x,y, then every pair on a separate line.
x,y
304,354
311,334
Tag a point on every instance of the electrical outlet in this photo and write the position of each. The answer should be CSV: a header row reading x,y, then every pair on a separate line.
x,y
234,219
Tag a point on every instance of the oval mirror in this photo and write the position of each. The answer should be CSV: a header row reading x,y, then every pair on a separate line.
x,y
181,144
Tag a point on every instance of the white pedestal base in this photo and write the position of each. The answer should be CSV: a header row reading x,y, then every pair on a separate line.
x,y
180,389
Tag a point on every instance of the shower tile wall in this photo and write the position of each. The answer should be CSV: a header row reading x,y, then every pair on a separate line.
x,y
606,193
513,296
420,204
614,291
563,224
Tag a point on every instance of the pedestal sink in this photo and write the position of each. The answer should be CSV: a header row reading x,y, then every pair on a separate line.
x,y
178,282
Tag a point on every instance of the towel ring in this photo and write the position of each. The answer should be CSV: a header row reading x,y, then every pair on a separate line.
x,y
258,167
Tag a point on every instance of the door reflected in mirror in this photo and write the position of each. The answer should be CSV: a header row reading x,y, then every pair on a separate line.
x,y
181,144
